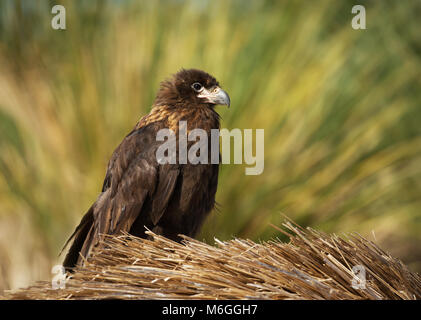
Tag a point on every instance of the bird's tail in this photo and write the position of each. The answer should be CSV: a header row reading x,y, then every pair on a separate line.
x,y
81,240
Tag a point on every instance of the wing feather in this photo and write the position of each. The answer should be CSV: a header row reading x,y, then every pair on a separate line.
x,y
168,175
133,176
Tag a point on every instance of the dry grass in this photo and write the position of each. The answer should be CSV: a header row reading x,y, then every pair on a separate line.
x,y
313,265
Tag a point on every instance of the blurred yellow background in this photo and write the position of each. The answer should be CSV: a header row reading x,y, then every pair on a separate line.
x,y
340,108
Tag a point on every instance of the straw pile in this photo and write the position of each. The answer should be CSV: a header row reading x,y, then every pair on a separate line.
x,y
313,265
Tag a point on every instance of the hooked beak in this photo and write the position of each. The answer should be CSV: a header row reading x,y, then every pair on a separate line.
x,y
216,96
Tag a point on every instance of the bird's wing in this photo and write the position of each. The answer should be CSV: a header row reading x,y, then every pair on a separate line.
x,y
167,179
133,177
133,174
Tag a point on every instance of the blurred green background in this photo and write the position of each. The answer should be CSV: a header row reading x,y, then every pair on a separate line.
x,y
340,108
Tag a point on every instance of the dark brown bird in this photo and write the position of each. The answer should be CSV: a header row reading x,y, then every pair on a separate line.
x,y
139,192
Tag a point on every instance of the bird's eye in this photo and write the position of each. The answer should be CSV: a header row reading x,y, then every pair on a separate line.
x,y
197,87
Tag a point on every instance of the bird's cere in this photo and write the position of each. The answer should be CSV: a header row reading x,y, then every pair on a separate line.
x,y
196,146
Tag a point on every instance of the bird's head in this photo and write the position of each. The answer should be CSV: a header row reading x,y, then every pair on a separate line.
x,y
191,87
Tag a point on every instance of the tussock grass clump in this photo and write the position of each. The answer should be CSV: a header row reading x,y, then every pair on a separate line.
x,y
313,265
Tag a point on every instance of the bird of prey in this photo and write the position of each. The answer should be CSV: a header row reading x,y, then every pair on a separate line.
x,y
138,191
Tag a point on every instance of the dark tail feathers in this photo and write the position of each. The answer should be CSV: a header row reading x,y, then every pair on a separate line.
x,y
80,236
